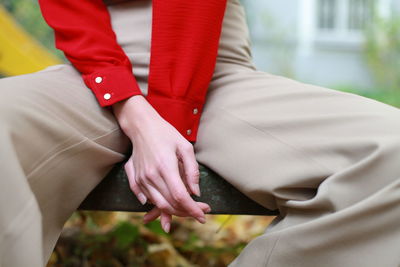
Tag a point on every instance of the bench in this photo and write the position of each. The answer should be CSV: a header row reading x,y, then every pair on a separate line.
x,y
113,194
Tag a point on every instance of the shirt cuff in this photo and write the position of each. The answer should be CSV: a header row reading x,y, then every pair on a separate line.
x,y
112,84
184,115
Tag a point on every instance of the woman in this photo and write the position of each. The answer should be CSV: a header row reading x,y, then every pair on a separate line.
x,y
327,160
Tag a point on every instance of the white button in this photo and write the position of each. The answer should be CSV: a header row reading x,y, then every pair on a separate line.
x,y
188,132
195,111
107,96
98,80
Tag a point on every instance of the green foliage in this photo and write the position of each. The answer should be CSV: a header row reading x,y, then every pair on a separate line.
x,y
125,234
28,15
155,227
93,238
383,95
88,245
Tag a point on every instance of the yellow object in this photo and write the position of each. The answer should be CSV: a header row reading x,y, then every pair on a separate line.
x,y
19,52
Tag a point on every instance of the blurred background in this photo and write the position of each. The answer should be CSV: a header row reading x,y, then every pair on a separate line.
x,y
349,45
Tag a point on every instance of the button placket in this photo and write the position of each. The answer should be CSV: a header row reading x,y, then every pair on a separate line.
x,y
194,111
99,80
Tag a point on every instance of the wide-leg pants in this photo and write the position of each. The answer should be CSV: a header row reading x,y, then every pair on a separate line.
x,y
329,160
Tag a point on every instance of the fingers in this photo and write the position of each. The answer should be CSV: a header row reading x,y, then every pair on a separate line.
x,y
204,206
152,215
158,199
182,174
155,212
157,192
191,168
155,188
179,193
165,218
130,172
141,191
165,187
166,221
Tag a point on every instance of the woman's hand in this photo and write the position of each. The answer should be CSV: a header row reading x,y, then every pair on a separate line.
x,y
166,218
162,167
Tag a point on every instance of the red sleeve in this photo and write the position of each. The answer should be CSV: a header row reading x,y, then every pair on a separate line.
x,y
83,32
185,38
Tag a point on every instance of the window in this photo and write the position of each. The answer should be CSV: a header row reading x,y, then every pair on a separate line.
x,y
326,14
343,15
358,15
341,21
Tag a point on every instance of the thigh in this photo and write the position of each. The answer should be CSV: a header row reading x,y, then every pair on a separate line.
x,y
277,139
57,140
328,160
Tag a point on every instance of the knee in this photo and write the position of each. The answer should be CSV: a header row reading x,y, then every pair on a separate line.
x,y
384,133
376,147
386,153
372,162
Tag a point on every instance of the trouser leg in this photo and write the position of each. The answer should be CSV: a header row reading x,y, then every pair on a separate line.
x,y
328,160
20,218
56,144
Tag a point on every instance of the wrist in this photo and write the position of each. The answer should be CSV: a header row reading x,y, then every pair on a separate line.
x,y
120,104
133,113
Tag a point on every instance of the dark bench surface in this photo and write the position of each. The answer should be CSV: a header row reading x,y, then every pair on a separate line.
x,y
114,194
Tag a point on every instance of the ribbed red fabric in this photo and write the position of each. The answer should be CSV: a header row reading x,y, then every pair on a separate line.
x,y
184,45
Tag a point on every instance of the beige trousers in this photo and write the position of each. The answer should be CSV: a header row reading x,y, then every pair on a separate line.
x,y
330,161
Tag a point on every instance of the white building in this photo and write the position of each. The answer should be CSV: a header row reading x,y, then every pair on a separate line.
x,y
316,41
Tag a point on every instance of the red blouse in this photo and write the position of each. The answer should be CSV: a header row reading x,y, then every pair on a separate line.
x,y
184,45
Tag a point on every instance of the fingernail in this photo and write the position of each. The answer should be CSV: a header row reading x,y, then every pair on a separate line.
x,y
208,209
166,227
197,190
201,220
142,198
